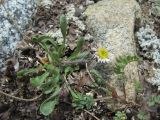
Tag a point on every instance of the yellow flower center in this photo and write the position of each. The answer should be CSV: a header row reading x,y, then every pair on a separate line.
x,y
103,53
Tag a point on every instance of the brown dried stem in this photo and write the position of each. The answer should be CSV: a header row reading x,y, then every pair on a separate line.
x,y
91,114
20,99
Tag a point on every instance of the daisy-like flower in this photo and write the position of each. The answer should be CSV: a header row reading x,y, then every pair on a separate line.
x,y
102,55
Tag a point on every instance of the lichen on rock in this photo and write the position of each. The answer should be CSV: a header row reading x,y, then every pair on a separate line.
x,y
149,43
155,79
15,16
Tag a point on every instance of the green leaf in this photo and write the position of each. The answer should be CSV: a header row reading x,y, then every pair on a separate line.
x,y
47,87
80,43
57,90
49,67
37,81
35,38
54,70
45,47
154,100
142,115
80,101
26,71
96,73
63,26
61,50
48,106
68,70
55,56
48,90
57,78
43,38
74,95
82,55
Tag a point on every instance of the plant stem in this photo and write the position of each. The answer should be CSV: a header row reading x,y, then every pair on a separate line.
x,y
74,62
89,73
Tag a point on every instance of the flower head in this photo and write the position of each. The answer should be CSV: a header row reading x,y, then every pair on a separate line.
x,y
102,55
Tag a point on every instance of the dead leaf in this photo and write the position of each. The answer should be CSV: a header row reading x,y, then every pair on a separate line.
x,y
114,93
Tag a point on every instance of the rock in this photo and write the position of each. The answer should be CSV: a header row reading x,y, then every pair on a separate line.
x,y
45,3
89,2
150,45
112,24
155,79
14,18
131,72
70,15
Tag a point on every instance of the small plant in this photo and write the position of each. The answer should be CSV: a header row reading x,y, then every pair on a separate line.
x,y
154,100
120,65
121,62
100,84
120,116
80,101
142,115
50,77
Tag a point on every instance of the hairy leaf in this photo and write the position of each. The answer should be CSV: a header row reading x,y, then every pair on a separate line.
x,y
154,100
63,26
37,81
26,71
47,87
43,39
80,43
48,106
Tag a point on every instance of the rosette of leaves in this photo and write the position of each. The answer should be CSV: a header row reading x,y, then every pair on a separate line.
x,y
154,100
120,116
49,77
81,101
142,115
122,61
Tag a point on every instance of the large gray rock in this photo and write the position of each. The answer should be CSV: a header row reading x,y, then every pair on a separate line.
x,y
15,15
112,23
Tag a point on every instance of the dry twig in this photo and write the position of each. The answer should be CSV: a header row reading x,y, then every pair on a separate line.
x,y
20,99
89,73
91,114
102,98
